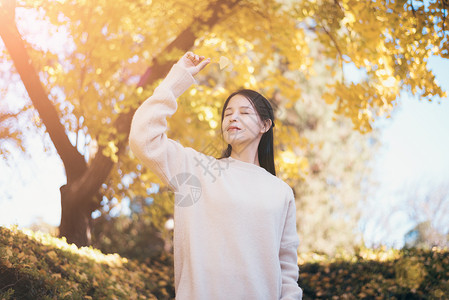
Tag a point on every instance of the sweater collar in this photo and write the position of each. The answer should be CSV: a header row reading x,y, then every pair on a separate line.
x,y
243,164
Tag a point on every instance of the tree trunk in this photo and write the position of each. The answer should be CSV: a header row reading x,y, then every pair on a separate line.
x,y
75,224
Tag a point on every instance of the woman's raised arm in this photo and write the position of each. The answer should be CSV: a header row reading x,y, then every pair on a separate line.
x,y
147,139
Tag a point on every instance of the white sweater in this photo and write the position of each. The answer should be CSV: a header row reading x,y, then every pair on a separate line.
x,y
235,223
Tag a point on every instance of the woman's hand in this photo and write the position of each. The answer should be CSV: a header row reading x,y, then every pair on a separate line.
x,y
193,62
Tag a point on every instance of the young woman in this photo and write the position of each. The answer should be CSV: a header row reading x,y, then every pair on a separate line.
x,y
235,222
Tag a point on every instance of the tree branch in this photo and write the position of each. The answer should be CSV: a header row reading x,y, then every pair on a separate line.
x,y
338,50
413,8
73,161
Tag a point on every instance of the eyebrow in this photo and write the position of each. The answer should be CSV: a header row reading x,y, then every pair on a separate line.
x,y
240,107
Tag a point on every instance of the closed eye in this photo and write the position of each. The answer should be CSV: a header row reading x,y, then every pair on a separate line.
x,y
243,113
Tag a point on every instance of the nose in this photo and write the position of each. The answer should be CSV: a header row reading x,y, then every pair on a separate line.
x,y
235,116
233,119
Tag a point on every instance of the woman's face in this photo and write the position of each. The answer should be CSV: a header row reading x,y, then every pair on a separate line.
x,y
241,123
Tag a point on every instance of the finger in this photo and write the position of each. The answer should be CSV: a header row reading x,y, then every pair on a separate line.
x,y
203,64
200,59
189,55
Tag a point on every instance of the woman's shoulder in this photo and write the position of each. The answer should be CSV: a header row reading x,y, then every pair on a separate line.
x,y
286,187
283,187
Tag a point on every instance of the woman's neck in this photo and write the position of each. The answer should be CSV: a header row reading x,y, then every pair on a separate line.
x,y
247,154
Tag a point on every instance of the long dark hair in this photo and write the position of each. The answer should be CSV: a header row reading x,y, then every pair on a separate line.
x,y
263,107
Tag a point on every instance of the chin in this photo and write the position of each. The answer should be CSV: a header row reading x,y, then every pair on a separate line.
x,y
230,139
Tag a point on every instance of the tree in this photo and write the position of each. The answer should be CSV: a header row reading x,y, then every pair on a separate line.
x,y
117,51
419,212
80,196
332,192
424,235
331,188
8,133
428,209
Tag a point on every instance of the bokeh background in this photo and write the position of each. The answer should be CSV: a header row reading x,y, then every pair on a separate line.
x,y
359,90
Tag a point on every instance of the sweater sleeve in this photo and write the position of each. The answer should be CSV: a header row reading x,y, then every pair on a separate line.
x,y
148,140
288,256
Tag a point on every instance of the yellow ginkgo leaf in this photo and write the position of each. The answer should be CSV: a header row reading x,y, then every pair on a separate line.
x,y
224,61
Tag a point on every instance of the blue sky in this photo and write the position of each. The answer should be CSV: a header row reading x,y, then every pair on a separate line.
x,y
414,153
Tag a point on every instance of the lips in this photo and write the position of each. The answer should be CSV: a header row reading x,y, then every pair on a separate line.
x,y
233,127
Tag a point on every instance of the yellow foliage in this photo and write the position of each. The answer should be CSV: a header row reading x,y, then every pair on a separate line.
x,y
86,273
262,45
66,270
258,44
